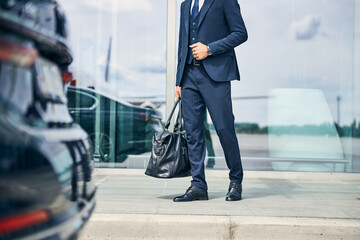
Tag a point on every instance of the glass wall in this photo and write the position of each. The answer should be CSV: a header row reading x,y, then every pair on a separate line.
x,y
119,65
297,105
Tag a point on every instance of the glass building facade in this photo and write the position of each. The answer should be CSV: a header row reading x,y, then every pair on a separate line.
x,y
297,106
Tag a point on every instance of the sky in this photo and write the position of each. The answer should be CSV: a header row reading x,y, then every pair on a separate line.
x,y
292,44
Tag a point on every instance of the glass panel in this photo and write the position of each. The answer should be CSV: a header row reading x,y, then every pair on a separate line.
x,y
300,125
297,105
119,66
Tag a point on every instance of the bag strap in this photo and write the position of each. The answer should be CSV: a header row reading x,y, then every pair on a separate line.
x,y
172,112
179,125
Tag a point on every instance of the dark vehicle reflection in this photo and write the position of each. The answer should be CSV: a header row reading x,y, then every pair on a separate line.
x,y
46,165
116,128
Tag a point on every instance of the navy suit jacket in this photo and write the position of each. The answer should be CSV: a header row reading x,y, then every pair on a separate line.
x,y
221,26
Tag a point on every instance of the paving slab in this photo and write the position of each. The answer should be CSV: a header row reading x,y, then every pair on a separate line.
x,y
276,205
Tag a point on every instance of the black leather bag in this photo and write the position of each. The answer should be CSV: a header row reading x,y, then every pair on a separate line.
x,y
169,156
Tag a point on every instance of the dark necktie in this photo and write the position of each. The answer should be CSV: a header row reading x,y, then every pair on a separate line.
x,y
195,9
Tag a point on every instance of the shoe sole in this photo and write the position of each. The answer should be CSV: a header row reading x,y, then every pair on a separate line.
x,y
196,199
202,199
232,200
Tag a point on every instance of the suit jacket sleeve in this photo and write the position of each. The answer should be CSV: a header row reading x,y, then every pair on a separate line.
x,y
180,39
238,32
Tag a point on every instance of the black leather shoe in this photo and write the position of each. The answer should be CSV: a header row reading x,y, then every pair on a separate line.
x,y
193,193
235,191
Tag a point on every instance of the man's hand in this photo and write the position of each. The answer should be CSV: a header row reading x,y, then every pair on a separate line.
x,y
199,51
178,92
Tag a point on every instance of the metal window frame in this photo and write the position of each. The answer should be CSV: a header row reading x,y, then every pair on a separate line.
x,y
170,57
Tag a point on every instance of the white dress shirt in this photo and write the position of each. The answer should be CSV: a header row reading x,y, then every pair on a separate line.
x,y
201,3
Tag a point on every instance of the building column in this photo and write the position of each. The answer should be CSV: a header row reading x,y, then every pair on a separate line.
x,y
170,57
355,166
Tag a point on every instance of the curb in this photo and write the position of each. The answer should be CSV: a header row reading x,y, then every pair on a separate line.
x,y
143,226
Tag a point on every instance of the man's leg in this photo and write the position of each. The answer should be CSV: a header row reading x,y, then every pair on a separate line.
x,y
194,108
217,97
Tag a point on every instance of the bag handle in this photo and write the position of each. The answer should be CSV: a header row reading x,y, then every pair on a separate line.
x,y
171,114
179,125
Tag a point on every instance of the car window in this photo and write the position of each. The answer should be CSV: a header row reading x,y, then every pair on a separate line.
x,y
6,75
16,86
49,83
22,94
71,96
83,100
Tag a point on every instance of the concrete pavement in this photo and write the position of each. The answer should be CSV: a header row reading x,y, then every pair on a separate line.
x,y
276,205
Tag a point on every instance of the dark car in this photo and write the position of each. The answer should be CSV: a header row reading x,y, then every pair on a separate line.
x,y
46,161
116,128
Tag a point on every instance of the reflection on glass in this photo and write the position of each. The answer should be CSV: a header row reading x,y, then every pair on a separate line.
x,y
119,49
300,125
297,105
312,124
209,144
116,128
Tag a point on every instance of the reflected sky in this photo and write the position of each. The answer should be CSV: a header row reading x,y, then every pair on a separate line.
x,y
298,44
138,31
292,44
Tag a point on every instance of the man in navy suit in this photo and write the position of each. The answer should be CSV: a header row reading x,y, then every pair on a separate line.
x,y
209,32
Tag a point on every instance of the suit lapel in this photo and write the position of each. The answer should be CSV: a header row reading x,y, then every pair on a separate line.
x,y
187,16
204,10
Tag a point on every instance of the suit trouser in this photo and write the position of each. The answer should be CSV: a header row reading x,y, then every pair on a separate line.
x,y
198,91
